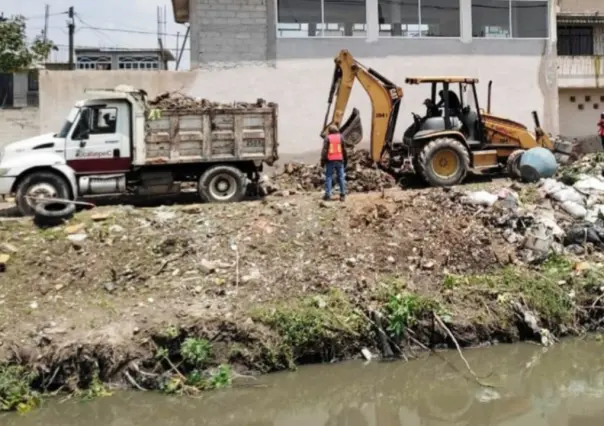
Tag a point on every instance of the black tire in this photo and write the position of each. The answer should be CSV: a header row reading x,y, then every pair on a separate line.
x,y
512,166
427,157
52,213
54,186
232,180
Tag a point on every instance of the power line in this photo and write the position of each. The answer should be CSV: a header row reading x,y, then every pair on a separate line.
x,y
118,30
98,32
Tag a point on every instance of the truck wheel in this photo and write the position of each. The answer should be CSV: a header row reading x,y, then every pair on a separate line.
x,y
512,166
52,213
222,184
444,162
40,185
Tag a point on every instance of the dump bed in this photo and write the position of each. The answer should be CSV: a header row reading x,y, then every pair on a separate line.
x,y
206,132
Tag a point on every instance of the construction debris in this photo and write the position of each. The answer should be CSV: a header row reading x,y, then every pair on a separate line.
x,y
361,176
182,102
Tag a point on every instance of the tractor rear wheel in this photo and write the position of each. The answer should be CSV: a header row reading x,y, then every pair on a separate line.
x,y
444,162
512,166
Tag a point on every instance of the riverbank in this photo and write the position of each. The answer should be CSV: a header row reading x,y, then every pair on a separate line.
x,y
190,297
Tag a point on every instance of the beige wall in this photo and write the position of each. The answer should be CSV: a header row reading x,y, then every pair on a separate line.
x,y
578,123
59,90
16,124
300,82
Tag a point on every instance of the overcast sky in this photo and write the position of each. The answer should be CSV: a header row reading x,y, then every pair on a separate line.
x,y
105,23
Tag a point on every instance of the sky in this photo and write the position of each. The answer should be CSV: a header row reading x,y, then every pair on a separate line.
x,y
106,23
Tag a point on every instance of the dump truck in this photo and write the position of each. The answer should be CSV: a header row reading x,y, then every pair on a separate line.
x,y
453,137
118,142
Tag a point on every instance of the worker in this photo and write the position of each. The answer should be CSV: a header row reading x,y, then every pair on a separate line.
x,y
431,109
454,104
334,159
601,129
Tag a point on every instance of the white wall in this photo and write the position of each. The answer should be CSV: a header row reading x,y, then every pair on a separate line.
x,y
578,123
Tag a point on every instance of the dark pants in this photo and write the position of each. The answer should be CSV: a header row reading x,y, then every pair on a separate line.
x,y
338,167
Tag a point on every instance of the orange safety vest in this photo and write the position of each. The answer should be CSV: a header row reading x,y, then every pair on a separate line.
x,y
334,152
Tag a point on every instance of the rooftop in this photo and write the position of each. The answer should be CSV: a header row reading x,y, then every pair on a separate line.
x,y
167,54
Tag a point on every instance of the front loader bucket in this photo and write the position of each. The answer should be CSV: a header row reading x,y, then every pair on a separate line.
x,y
352,130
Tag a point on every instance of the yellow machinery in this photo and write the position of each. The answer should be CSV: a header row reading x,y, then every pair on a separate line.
x,y
452,138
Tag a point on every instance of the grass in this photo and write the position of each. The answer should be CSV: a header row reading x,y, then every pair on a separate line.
x,y
321,327
552,292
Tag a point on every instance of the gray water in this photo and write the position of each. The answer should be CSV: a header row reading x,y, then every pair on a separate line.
x,y
533,386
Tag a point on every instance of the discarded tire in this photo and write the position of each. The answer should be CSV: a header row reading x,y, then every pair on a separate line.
x,y
52,213
512,167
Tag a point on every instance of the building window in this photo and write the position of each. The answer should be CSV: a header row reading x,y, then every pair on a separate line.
x,y
510,18
321,18
575,41
137,62
419,18
86,62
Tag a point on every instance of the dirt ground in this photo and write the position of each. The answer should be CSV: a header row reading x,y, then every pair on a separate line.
x,y
101,291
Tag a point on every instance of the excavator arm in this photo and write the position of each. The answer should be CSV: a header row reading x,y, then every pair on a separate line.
x,y
385,99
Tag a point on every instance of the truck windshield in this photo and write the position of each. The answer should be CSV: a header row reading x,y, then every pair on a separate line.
x,y
68,123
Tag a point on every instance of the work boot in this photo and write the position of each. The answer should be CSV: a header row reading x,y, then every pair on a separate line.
x,y
326,197
342,197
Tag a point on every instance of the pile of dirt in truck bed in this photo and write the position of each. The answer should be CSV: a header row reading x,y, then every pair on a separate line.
x,y
182,102
361,176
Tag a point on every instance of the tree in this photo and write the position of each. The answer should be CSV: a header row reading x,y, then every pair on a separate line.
x,y
15,54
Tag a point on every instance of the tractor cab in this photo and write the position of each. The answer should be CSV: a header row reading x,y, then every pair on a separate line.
x,y
452,106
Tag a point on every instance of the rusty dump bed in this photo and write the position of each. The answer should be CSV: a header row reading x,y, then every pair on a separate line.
x,y
238,132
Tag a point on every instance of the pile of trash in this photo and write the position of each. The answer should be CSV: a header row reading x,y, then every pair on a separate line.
x,y
179,101
563,217
361,176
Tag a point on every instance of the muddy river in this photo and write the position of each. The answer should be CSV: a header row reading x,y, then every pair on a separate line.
x,y
562,385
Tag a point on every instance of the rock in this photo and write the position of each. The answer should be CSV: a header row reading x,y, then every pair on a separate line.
x,y
191,209
253,276
390,259
116,229
99,217
9,248
351,261
75,229
428,264
33,305
366,354
206,266
109,287
4,258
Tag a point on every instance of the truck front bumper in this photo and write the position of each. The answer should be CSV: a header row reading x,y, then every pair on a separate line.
x,y
6,184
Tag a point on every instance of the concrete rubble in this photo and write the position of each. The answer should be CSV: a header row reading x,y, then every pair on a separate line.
x,y
178,101
361,176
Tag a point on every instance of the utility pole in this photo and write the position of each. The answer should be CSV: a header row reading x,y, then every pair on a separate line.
x,y
71,28
46,15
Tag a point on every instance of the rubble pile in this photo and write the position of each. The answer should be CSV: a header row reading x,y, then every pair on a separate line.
x,y
564,214
361,176
181,102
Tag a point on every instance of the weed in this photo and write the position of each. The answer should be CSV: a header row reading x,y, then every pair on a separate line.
x,y
313,326
15,389
403,310
95,389
196,351
171,332
548,291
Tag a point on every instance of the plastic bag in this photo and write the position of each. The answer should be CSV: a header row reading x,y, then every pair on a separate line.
x,y
480,198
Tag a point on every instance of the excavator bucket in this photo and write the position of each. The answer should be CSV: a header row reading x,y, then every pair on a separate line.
x,y
352,129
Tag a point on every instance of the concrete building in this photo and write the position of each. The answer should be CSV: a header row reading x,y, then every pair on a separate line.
x,y
122,59
282,50
580,66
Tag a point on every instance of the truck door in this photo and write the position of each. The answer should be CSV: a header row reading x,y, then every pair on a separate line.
x,y
100,140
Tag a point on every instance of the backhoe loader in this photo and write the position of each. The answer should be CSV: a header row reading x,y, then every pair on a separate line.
x,y
452,138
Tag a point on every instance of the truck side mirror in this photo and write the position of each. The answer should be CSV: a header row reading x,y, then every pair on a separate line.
x,y
84,135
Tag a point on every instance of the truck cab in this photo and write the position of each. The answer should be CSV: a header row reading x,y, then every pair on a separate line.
x,y
116,143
